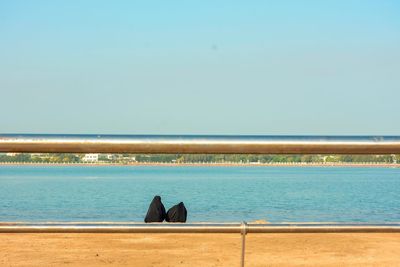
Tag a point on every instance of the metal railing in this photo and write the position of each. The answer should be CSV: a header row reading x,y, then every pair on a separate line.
x,y
191,144
198,144
243,228
222,228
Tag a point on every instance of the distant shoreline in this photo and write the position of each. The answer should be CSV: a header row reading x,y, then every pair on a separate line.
x,y
154,164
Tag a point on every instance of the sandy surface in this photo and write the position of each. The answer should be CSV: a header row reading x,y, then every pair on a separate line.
x,y
199,250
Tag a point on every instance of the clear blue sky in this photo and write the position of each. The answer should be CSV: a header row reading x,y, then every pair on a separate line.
x,y
200,67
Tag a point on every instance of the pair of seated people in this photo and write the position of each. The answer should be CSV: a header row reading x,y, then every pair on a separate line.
x,y
156,212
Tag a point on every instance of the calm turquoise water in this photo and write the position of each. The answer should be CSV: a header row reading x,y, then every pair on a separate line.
x,y
218,194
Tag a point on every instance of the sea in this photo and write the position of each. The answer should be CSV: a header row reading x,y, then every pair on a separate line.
x,y
210,194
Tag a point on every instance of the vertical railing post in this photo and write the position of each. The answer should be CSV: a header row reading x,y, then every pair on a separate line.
x,y
243,232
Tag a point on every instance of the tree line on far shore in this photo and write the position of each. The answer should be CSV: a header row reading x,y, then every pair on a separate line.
x,y
197,158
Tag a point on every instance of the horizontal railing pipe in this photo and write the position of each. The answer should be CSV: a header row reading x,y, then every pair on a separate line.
x,y
198,144
197,228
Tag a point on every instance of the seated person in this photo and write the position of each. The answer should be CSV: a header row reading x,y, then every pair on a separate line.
x,y
156,211
177,213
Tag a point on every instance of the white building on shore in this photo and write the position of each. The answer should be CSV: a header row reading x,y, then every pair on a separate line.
x,y
91,158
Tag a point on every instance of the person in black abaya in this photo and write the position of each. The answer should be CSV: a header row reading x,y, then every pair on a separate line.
x,y
177,213
156,211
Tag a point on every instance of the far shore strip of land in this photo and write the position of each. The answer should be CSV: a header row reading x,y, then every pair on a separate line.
x,y
216,164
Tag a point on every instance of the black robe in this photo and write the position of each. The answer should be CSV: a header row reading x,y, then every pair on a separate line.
x,y
177,213
156,211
